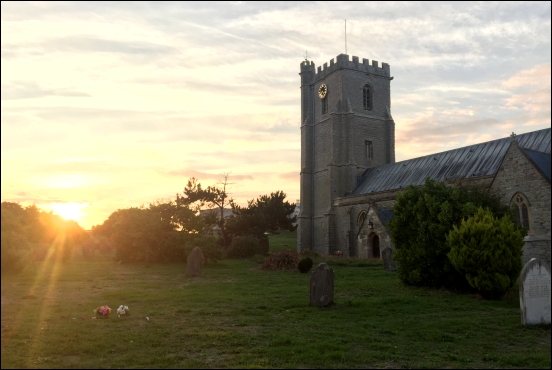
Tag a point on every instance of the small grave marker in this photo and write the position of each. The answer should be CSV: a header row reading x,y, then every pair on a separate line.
x,y
194,263
264,246
534,293
388,264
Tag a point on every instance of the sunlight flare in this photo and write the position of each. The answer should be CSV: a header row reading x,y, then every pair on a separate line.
x,y
69,211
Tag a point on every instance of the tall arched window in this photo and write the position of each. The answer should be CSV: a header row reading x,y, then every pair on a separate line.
x,y
325,105
361,219
521,207
367,97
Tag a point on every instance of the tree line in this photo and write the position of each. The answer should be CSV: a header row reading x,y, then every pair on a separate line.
x,y
29,232
167,230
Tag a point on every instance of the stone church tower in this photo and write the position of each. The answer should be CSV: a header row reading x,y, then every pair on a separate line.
x,y
346,127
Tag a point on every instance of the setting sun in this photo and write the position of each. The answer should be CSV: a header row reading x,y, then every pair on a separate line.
x,y
69,211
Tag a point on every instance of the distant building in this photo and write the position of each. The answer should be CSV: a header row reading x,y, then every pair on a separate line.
x,y
296,211
227,212
349,178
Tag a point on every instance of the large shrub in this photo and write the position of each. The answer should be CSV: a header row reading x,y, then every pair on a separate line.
x,y
210,247
14,247
244,247
487,251
423,216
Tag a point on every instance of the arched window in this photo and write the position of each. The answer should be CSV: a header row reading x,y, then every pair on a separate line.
x,y
361,219
368,149
521,207
325,105
367,97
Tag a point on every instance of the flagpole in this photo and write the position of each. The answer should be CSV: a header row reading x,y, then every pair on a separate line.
x,y
345,36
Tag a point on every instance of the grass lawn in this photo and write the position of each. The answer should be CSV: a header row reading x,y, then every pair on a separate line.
x,y
238,316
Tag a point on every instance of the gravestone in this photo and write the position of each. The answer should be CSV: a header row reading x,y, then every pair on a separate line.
x,y
388,264
322,286
534,293
263,246
195,262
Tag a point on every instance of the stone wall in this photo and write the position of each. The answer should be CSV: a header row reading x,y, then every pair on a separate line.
x,y
518,174
349,239
333,143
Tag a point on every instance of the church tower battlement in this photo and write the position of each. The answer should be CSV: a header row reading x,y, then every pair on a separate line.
x,y
342,61
346,127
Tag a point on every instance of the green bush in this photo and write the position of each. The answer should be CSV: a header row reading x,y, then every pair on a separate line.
x,y
305,265
14,246
210,247
14,260
423,216
487,251
244,247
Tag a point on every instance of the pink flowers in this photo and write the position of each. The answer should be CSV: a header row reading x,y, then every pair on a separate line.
x,y
104,311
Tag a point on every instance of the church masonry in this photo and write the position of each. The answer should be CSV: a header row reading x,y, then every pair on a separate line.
x,y
342,134
349,178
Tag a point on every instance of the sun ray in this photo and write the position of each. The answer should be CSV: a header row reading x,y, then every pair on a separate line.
x,y
50,270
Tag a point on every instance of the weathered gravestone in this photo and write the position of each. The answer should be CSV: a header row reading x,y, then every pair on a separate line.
x,y
263,246
388,264
534,293
322,286
195,262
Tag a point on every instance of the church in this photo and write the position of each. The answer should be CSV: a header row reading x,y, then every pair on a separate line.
x,y
349,177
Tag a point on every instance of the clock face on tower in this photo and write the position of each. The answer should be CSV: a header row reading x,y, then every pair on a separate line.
x,y
322,91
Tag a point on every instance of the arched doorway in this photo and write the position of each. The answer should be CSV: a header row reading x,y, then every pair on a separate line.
x,y
374,243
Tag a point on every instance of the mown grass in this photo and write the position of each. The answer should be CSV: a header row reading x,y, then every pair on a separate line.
x,y
238,316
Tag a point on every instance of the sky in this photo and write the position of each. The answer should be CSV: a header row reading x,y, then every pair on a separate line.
x,y
113,105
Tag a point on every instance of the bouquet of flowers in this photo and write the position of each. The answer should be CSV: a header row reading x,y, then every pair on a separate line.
x,y
103,311
122,310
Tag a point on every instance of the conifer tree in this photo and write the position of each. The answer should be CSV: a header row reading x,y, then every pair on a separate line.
x,y
487,251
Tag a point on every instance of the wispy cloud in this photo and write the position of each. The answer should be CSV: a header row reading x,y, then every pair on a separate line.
x,y
293,175
189,173
29,90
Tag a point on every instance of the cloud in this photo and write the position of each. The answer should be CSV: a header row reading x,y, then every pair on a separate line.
x,y
538,76
188,173
293,175
530,96
36,199
30,89
88,44
538,100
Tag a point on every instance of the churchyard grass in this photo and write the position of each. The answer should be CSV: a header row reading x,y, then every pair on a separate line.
x,y
284,240
238,316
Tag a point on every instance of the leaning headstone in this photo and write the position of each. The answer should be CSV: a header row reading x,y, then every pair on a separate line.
x,y
195,262
388,264
534,293
322,286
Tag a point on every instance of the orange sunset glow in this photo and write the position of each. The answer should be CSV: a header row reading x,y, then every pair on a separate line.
x,y
105,108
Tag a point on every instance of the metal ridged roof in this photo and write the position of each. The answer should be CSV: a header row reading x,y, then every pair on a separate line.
x,y
468,162
541,161
385,215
